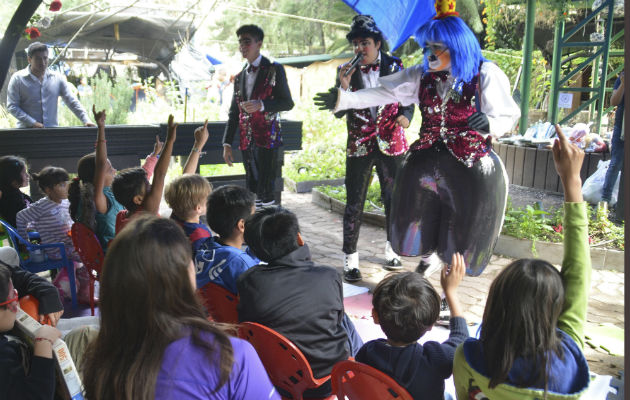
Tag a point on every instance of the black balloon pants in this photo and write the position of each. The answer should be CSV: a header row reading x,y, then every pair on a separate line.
x,y
440,205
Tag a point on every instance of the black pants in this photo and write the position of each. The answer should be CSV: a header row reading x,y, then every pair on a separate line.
x,y
358,173
261,168
440,205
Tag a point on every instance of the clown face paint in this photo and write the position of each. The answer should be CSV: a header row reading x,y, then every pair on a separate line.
x,y
438,55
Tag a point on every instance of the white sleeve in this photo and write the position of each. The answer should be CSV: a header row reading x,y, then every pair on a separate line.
x,y
401,87
496,100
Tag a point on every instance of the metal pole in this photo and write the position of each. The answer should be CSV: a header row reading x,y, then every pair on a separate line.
x,y
604,66
528,47
556,63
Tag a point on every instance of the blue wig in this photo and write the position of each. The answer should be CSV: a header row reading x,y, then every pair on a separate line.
x,y
461,41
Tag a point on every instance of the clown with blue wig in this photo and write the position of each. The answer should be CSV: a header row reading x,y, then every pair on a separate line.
x,y
451,191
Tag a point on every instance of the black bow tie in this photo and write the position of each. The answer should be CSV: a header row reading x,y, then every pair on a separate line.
x,y
252,69
367,68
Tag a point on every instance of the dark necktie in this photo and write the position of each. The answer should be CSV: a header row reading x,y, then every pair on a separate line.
x,y
252,69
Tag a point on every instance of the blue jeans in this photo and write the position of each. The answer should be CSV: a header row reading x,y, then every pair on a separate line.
x,y
616,163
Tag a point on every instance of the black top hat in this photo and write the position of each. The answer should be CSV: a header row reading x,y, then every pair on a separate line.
x,y
363,26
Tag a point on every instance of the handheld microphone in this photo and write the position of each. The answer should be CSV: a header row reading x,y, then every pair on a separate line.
x,y
353,63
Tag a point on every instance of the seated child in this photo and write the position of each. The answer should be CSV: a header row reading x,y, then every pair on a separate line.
x,y
132,189
293,296
220,259
49,216
532,334
406,306
13,176
22,375
148,305
91,198
187,195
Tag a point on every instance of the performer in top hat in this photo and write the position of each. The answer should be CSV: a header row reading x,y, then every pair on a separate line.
x,y
260,93
451,192
376,137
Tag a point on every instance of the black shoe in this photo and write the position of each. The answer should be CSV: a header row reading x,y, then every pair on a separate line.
x,y
422,267
393,265
352,275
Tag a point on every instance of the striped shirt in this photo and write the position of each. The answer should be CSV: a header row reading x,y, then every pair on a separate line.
x,y
51,220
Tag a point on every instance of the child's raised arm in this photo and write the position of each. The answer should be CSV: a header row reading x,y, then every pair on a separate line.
x,y
201,137
576,263
151,202
100,201
450,278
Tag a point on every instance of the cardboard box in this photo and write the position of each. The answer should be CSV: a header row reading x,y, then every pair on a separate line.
x,y
65,366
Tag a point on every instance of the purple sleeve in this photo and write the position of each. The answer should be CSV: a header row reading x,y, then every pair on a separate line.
x,y
249,380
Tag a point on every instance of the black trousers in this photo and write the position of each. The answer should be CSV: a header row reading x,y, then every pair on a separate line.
x,y
440,205
261,168
358,174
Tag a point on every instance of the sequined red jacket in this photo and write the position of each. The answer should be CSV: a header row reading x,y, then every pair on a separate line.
x,y
261,128
447,121
366,135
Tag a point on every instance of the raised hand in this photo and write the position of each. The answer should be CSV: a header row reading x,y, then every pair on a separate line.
x,y
201,135
326,100
99,116
568,159
157,147
171,131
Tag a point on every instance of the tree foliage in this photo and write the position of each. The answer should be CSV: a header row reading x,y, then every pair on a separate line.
x,y
285,35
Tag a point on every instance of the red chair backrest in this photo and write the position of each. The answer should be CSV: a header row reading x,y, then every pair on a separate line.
x,y
220,303
89,248
286,365
357,381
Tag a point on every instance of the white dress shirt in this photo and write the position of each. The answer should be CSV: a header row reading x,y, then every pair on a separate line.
x,y
31,100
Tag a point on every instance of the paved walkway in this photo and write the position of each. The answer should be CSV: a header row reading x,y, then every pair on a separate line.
x,y
322,231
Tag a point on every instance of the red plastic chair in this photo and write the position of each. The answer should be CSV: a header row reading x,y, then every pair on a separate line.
x,y
91,253
357,381
287,367
220,303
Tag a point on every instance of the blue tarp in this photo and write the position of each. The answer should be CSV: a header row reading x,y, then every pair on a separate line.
x,y
397,19
213,60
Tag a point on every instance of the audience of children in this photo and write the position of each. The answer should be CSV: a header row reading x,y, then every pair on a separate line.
x,y
154,340
220,259
13,176
132,189
532,333
292,295
26,375
406,306
531,336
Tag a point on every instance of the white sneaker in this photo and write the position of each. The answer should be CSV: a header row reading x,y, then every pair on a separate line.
x,y
392,260
429,264
351,261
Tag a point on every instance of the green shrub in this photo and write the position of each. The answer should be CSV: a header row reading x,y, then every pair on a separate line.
x,y
373,201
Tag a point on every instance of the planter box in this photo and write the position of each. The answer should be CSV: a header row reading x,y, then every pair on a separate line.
x,y
553,252
307,186
338,207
